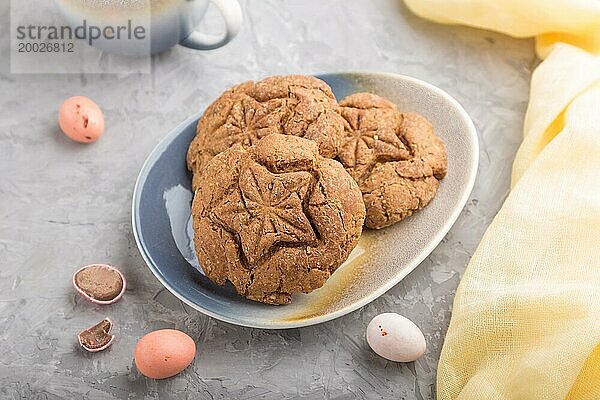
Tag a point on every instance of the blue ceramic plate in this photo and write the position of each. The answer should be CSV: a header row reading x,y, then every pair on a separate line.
x,y
162,223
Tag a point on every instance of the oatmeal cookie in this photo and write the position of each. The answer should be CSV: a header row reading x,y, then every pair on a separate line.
x,y
275,218
295,105
395,158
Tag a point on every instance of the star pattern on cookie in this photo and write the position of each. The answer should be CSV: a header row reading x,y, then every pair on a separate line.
x,y
268,210
370,141
250,120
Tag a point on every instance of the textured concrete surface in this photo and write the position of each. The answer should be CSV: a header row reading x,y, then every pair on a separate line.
x,y
63,205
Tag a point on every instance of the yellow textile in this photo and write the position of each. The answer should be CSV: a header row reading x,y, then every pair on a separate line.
x,y
526,317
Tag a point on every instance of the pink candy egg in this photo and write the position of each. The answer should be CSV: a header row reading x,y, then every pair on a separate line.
x,y
81,119
164,353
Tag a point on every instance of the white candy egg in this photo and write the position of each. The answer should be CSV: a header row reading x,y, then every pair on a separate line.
x,y
395,337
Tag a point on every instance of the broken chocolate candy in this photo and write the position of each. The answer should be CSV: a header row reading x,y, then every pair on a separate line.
x,y
98,337
99,283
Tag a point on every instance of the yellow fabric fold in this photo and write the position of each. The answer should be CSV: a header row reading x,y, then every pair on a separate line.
x,y
526,317
566,73
552,21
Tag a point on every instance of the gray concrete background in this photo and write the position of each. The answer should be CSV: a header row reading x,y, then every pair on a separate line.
x,y
63,205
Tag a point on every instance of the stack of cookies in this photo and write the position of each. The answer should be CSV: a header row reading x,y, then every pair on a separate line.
x,y
285,177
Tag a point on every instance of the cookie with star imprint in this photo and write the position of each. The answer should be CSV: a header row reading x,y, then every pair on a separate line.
x,y
297,105
275,218
396,158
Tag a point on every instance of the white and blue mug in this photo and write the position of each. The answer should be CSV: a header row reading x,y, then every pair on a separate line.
x,y
149,26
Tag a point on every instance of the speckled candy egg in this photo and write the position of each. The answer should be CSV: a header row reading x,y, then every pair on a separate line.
x,y
81,119
164,353
395,338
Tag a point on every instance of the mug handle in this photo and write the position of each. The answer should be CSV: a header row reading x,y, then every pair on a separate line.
x,y
232,14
